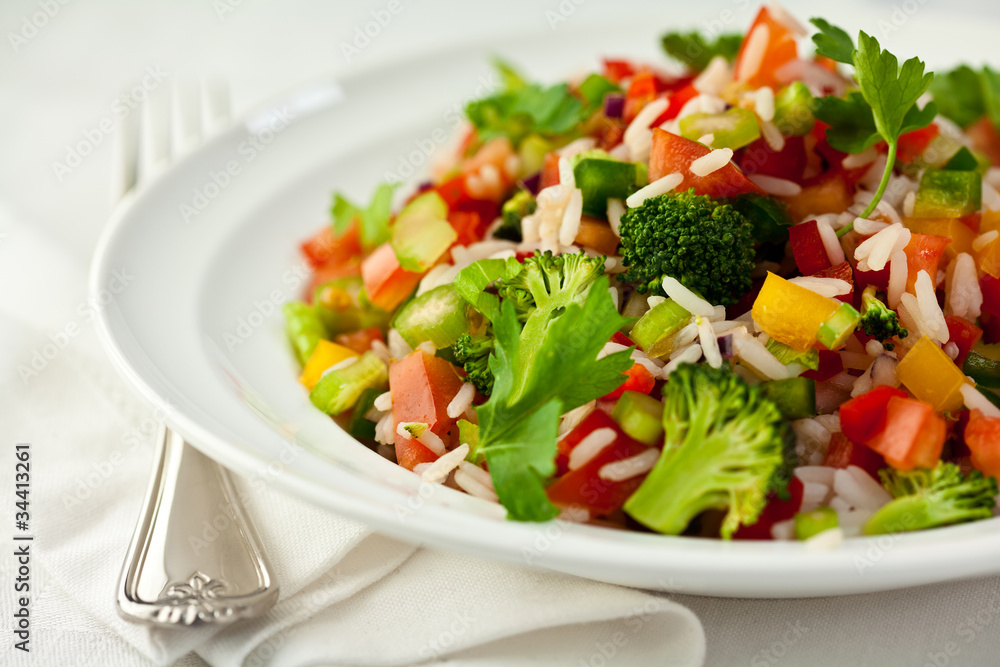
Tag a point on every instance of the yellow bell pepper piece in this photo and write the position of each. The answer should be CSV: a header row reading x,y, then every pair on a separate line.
x,y
325,355
990,220
960,234
989,258
791,314
931,376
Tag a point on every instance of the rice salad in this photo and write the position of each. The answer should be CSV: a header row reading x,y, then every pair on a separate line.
x,y
750,292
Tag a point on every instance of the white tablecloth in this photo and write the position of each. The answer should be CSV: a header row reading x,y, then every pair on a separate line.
x,y
65,62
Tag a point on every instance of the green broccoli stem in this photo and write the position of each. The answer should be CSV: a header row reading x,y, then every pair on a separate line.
x,y
890,162
902,515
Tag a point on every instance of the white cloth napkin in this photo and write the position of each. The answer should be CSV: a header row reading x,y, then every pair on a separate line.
x,y
348,596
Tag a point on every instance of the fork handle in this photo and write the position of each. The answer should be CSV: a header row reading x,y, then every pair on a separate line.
x,y
194,558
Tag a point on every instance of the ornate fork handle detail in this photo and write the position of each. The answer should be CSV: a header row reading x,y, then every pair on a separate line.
x,y
194,557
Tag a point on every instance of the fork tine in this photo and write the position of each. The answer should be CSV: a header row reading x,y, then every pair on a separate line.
x,y
155,150
186,114
125,157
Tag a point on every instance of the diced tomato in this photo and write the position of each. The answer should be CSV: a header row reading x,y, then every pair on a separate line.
x,y
757,71
453,191
550,171
827,193
616,70
842,453
326,247
807,248
469,225
830,364
913,144
990,288
842,271
641,91
982,436
923,253
422,386
621,339
985,138
788,163
639,379
863,417
776,511
386,282
676,101
964,334
913,436
673,153
584,486
360,341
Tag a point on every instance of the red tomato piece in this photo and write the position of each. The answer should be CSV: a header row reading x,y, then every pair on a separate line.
x,y
913,144
386,282
923,253
584,487
964,334
359,341
842,453
864,417
758,70
776,511
676,102
326,247
673,153
842,271
788,163
913,435
616,70
807,248
422,386
638,379
982,436
469,225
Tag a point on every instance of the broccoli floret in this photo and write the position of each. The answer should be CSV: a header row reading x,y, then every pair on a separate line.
x,y
726,447
551,282
703,243
878,320
473,353
929,498
513,211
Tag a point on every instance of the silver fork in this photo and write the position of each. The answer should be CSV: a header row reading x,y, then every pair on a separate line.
x,y
195,557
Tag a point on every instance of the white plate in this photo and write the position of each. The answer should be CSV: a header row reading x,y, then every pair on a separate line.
x,y
199,333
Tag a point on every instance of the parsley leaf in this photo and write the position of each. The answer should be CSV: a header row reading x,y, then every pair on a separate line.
x,y
833,42
852,124
991,95
694,51
373,222
959,95
519,423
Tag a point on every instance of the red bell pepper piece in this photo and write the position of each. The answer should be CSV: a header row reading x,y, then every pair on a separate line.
x,y
923,253
326,247
964,334
913,144
584,486
616,70
776,511
807,248
863,417
842,453
830,364
639,379
990,288
780,49
788,163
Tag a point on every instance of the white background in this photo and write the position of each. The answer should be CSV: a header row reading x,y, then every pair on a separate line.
x,y
60,81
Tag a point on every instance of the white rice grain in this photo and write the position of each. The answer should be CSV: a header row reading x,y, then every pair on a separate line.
x,y
566,176
715,160
828,540
398,347
783,530
685,298
709,343
574,417
432,441
572,215
753,52
778,187
867,227
707,139
689,355
656,188
462,400
984,240
855,160
591,446
813,495
763,103
772,136
834,251
715,77
640,464
477,473
974,400
655,300
829,287
816,474
898,272
438,471
383,402
874,252
753,354
856,488
990,197
638,136
474,487
908,202
964,297
930,311
384,433
616,209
